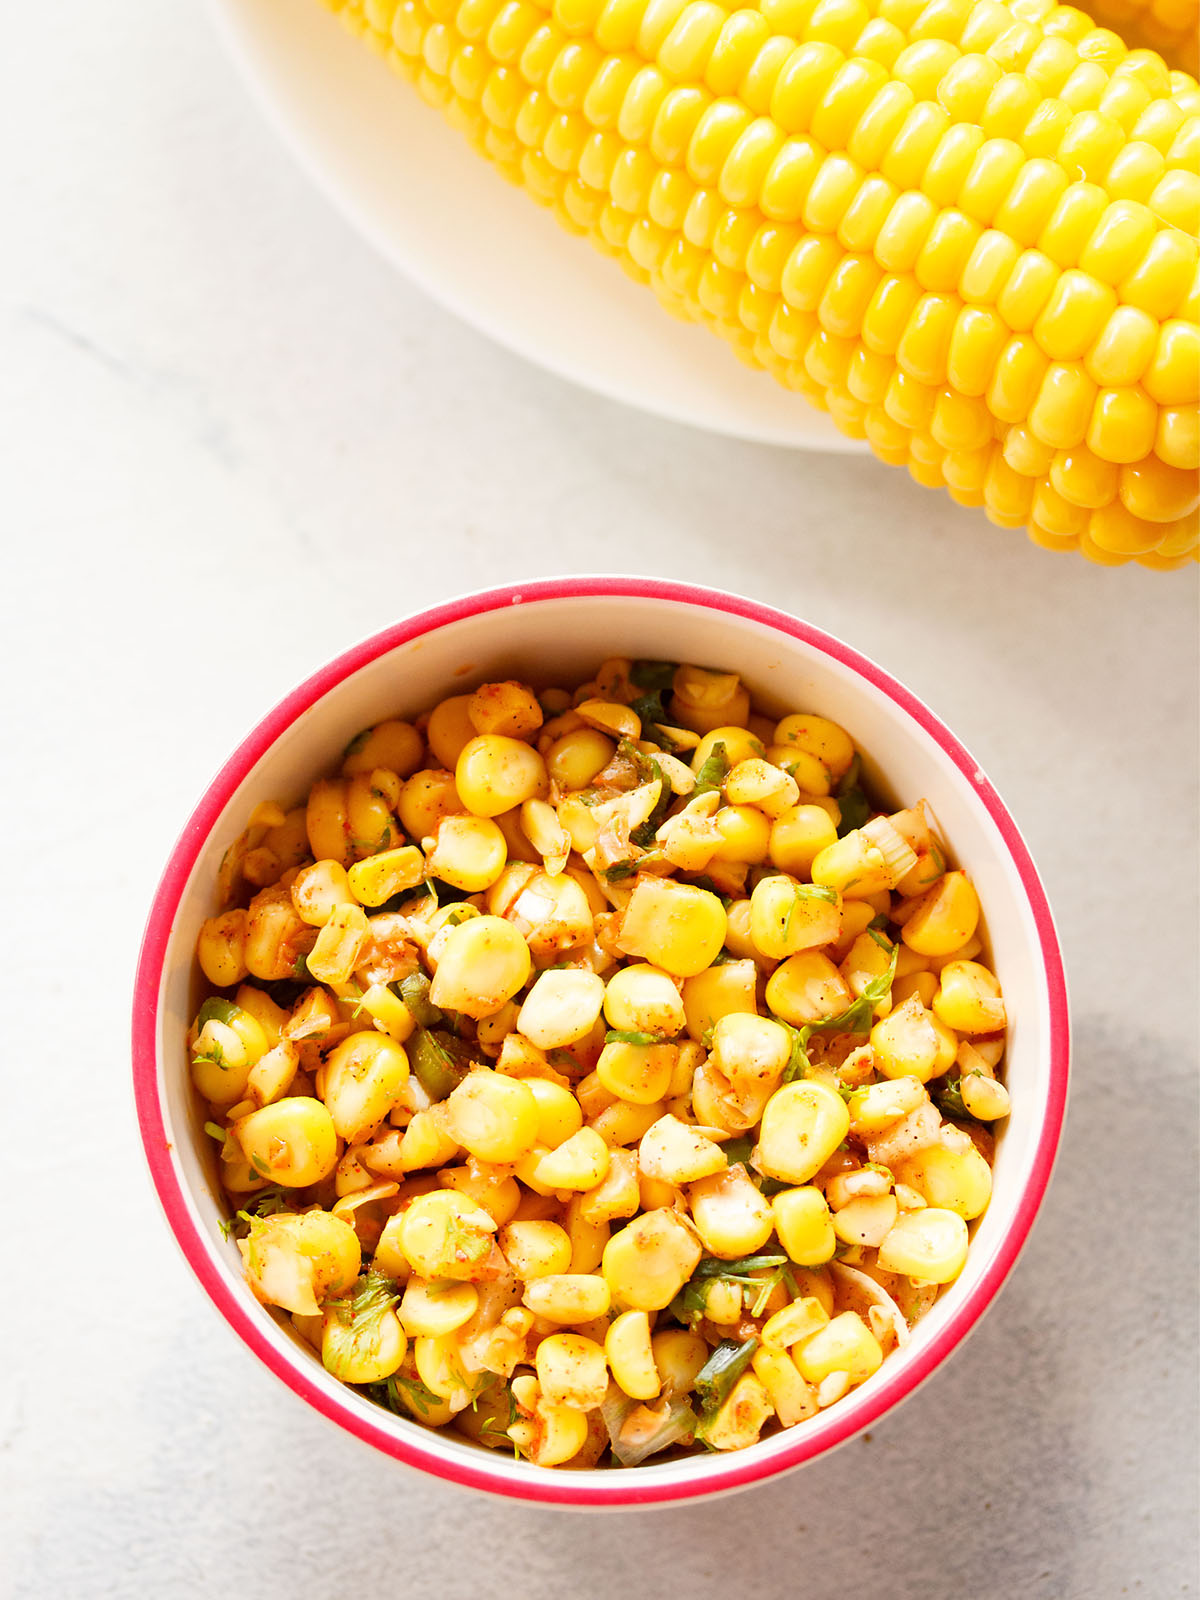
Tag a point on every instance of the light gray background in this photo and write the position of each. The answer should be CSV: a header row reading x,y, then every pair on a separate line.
x,y
235,442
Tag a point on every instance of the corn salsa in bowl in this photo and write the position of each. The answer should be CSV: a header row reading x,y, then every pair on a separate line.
x,y
596,1070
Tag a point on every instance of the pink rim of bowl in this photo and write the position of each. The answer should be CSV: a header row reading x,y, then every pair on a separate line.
x,y
479,1469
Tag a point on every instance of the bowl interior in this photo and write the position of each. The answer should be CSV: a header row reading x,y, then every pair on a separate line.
x,y
562,638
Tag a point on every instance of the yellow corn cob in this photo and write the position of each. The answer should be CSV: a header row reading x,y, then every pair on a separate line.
x,y
1168,26
966,228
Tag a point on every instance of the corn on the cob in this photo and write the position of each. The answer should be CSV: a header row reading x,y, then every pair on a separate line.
x,y
966,228
1169,26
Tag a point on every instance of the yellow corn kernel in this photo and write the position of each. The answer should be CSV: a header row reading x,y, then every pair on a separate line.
x,y
617,1194
803,1124
866,1220
426,1143
579,1162
759,783
944,918
844,1344
568,1297
364,1077
366,1350
906,1043
494,774
467,853
572,1370
388,1011
588,1238
443,1234
640,1074
704,700
867,960
740,1419
818,737
559,1114
737,745
561,1008
426,798
792,1397
291,1142
499,1197
507,708
952,1180
786,916
983,1098
379,877
630,1353
804,1225
295,1261
647,1263
551,1435
673,925
492,1116
644,999
318,891
675,1153
450,729
743,835
339,944
396,746
797,1321
807,988
730,1214
482,964
623,1122
968,998
810,775
536,1249
440,1370
719,992
679,1356
799,836
573,760
433,1310
930,1244
221,949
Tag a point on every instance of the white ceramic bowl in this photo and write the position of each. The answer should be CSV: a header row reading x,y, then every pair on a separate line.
x,y
562,628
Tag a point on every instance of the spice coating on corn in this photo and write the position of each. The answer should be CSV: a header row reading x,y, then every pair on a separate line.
x,y
643,1115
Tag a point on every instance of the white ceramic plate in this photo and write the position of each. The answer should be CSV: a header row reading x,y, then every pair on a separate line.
x,y
427,201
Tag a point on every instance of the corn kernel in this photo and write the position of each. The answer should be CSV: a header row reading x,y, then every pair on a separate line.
x,y
807,988
568,1297
561,1008
492,1116
291,1142
730,1214
803,1124
630,1354
483,963
674,926
952,1180
579,1162
930,1244
572,1370
430,1311
647,1263
846,1345
804,1226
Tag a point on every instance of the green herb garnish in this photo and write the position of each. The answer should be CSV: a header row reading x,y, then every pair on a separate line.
x,y
855,1019
414,991
714,769
656,676
620,870
357,743
852,800
439,1061
629,1036
716,1378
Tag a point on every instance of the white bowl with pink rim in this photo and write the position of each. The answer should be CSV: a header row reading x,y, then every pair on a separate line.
x,y
557,630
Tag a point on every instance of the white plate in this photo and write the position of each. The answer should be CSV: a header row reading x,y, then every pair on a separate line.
x,y
417,191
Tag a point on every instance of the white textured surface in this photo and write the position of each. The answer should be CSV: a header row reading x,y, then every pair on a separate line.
x,y
234,443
